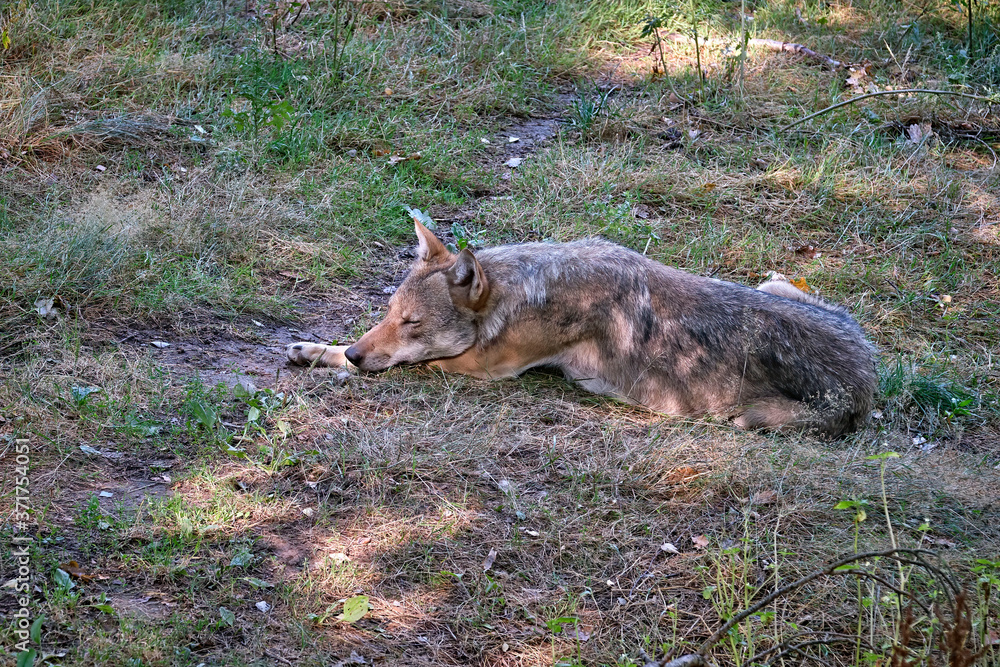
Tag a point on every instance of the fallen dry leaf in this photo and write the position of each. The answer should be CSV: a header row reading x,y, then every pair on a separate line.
x,y
858,75
490,559
801,284
73,569
575,632
396,159
700,541
764,497
45,306
681,474
808,251
514,162
919,132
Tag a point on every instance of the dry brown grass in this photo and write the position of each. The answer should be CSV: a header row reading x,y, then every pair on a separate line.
x,y
401,485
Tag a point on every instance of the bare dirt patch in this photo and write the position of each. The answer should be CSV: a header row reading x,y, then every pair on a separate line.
x,y
220,351
518,141
121,481
217,350
145,608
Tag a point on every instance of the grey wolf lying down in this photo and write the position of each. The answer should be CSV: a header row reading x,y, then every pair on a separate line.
x,y
623,325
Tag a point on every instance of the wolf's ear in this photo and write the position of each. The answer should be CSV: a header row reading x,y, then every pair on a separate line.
x,y
467,282
430,250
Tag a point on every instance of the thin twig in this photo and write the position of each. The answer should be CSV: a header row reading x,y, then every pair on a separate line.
x,y
808,656
693,660
885,582
991,100
277,657
771,44
988,147
790,47
783,649
829,569
953,586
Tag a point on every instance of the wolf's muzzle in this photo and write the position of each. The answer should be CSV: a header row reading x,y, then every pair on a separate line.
x,y
354,356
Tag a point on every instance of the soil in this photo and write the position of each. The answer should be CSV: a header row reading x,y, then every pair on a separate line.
x,y
249,349
253,348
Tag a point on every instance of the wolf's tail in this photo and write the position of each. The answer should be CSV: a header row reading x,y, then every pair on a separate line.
x,y
779,285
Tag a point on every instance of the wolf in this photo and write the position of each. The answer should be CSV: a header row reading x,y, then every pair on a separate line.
x,y
622,325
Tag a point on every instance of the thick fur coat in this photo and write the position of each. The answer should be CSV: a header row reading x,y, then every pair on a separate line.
x,y
623,325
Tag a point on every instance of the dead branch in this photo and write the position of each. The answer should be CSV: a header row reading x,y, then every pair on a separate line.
x,y
694,660
771,45
789,47
784,648
917,557
828,570
981,98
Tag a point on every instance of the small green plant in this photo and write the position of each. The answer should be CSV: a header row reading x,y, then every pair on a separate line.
x,y
464,238
621,224
934,399
90,517
64,589
558,626
27,657
987,573
882,458
354,609
205,414
858,507
732,584
204,417
262,406
261,114
10,16
80,399
651,28
243,558
588,107
344,17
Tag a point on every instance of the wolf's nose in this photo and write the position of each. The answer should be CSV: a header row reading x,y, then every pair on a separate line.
x,y
353,355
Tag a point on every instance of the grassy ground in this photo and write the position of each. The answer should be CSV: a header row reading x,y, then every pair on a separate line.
x,y
223,182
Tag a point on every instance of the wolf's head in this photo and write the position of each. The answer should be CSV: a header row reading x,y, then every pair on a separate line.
x,y
432,315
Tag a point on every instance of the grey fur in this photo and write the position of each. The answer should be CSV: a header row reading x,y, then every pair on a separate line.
x,y
621,324
739,346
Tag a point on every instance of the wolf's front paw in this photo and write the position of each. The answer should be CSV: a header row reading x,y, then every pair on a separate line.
x,y
308,354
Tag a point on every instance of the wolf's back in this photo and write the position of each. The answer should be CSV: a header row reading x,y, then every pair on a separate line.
x,y
684,343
